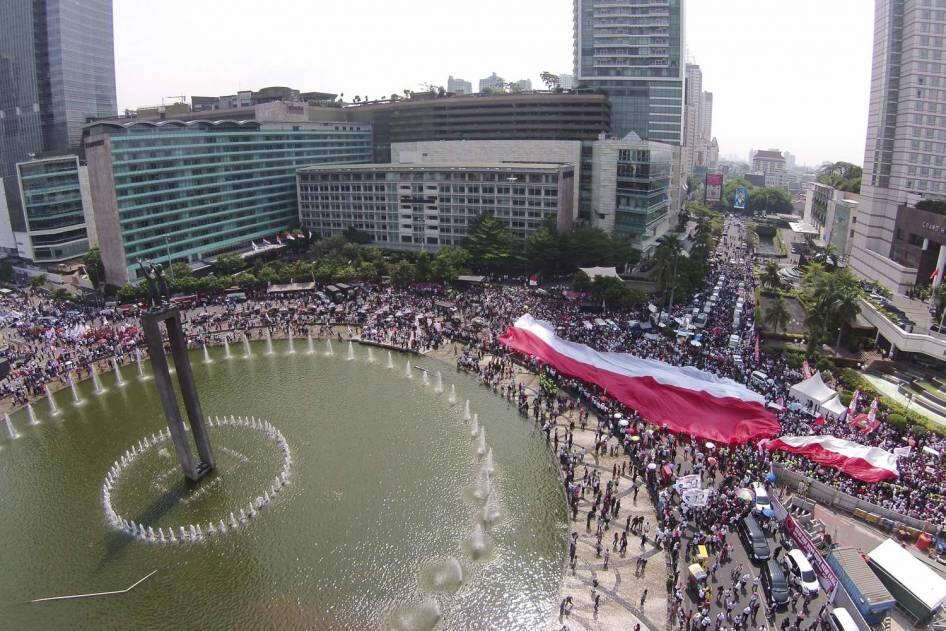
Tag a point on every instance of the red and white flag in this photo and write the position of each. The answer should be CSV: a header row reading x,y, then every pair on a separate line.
x,y
868,464
684,399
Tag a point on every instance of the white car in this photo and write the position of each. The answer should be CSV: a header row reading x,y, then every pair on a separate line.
x,y
762,503
801,571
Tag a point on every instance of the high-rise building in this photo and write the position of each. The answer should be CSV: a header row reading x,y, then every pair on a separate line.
x,y
459,86
566,81
906,143
524,85
185,190
706,116
770,163
632,50
493,83
692,118
57,70
57,207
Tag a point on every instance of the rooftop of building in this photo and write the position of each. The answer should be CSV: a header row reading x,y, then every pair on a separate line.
x,y
440,166
768,155
480,98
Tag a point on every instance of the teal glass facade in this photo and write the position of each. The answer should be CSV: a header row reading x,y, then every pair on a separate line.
x,y
643,185
53,208
184,191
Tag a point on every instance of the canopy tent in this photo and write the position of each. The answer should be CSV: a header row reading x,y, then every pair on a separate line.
x,y
604,272
833,407
868,464
683,399
812,391
290,288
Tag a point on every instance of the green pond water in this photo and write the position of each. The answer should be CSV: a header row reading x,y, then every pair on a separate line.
x,y
378,522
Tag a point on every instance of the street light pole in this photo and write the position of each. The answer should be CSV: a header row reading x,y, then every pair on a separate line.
x,y
167,246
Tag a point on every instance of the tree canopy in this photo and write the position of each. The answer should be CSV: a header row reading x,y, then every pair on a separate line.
x,y
843,176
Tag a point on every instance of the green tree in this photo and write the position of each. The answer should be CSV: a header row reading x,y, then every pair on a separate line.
x,y
423,268
843,176
402,273
550,80
490,244
355,235
180,270
770,200
830,299
543,250
228,264
770,277
38,281
666,260
94,268
449,263
776,315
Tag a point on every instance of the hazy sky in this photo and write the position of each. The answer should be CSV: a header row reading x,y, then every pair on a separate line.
x,y
788,74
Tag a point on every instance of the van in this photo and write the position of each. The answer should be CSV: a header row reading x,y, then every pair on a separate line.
x,y
754,540
801,571
841,620
733,341
762,504
759,378
774,584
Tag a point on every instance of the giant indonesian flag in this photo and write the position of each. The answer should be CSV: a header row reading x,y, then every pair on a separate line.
x,y
868,464
684,399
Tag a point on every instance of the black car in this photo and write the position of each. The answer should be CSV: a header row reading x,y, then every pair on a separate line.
x,y
754,539
774,584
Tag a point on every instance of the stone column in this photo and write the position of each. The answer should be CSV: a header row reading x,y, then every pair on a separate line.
x,y
188,391
162,379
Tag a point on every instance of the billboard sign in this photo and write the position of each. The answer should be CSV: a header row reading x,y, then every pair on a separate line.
x,y
713,191
740,198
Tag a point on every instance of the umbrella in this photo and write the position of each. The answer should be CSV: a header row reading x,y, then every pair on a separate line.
x,y
710,446
618,415
623,422
652,466
745,494
635,439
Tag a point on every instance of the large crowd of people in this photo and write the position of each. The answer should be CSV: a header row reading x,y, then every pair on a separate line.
x,y
48,342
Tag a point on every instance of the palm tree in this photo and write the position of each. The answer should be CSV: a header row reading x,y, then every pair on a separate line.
x,y
665,259
770,276
776,315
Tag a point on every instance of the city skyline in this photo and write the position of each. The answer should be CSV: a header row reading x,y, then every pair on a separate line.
x,y
723,36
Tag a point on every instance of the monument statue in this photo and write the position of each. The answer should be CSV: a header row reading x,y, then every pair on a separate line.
x,y
159,294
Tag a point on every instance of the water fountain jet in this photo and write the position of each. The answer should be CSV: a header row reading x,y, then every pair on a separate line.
x,y
351,351
311,345
96,382
407,370
439,387
247,349
207,359
53,408
76,399
119,381
226,349
390,361
10,429
32,414
269,343
452,399
292,343
328,348
466,411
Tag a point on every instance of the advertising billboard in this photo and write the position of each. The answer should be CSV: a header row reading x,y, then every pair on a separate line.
x,y
740,198
713,191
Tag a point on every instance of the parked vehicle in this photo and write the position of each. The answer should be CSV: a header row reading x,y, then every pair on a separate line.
x,y
774,584
754,539
763,505
841,620
802,572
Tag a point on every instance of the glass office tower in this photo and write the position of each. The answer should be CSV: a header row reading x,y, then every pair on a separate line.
x,y
57,70
633,50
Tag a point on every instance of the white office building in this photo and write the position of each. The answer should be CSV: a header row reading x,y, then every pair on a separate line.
x,y
456,85
493,83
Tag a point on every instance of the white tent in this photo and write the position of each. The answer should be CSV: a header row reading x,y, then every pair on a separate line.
x,y
833,407
812,391
605,272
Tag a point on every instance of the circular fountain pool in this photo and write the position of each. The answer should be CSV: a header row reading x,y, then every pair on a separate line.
x,y
391,520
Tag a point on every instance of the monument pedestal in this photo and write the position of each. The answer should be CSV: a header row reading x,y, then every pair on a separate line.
x,y
151,323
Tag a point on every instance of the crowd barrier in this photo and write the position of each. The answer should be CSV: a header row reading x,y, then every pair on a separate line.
x,y
871,513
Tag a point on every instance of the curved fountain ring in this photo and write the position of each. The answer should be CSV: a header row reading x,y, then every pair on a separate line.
x,y
189,533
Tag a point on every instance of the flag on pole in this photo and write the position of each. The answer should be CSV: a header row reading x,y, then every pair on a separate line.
x,y
806,369
873,411
852,406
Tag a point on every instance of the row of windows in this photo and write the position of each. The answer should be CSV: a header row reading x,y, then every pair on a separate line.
x,y
309,177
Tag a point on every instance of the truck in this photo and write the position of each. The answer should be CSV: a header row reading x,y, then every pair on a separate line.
x,y
868,594
918,590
